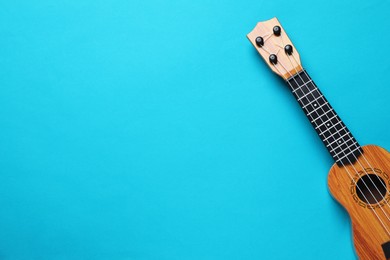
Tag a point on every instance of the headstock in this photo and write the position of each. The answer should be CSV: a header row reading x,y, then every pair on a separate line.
x,y
273,44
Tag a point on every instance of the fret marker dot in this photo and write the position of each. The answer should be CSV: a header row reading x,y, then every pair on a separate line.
x,y
327,124
339,141
315,105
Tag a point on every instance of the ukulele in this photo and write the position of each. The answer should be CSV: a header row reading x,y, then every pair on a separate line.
x,y
360,177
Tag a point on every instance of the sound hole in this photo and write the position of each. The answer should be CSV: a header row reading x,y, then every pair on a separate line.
x,y
372,188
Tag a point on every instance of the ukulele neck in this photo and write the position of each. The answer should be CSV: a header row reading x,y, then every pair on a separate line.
x,y
336,137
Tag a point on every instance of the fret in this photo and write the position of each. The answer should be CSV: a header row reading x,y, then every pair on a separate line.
x,y
334,133
335,147
333,126
302,86
313,100
344,150
323,117
324,128
338,139
349,153
328,125
310,92
341,147
325,114
316,105
317,108
309,97
337,131
327,122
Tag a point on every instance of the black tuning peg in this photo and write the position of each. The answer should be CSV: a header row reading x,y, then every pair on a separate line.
x,y
259,41
277,30
273,59
288,49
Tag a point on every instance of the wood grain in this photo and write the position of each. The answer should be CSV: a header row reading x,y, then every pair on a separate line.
x,y
368,232
287,65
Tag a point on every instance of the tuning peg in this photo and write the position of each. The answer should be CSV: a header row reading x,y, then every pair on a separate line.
x,y
288,49
277,30
259,41
273,59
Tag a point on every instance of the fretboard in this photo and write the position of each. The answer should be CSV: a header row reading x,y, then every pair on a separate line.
x,y
336,137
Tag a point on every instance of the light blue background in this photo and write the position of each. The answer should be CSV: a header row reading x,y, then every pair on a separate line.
x,y
153,130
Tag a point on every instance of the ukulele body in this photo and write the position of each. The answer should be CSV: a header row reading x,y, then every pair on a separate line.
x,y
368,232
